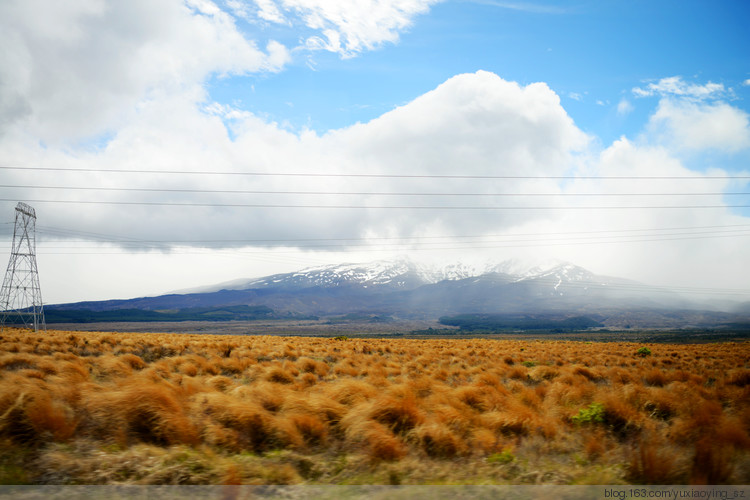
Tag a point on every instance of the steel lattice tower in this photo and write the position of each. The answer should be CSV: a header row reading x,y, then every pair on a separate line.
x,y
21,295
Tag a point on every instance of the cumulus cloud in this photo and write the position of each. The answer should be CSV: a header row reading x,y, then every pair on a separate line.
x,y
70,71
695,117
473,124
698,126
650,259
73,69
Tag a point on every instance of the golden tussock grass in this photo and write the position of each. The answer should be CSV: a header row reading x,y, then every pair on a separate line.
x,y
272,409
652,461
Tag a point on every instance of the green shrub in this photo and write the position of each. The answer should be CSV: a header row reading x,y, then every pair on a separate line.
x,y
594,414
504,457
643,352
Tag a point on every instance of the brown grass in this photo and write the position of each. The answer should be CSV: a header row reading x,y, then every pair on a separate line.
x,y
339,410
653,462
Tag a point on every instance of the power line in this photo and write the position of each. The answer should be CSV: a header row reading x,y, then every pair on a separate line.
x,y
693,232
477,245
581,284
508,241
390,176
117,239
384,207
514,244
478,239
355,193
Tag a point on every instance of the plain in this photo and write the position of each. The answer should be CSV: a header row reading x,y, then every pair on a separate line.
x,y
104,408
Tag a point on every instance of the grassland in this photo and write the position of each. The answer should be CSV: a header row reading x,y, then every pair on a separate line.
x,y
104,408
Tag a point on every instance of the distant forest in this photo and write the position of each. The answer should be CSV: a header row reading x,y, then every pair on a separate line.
x,y
227,313
502,322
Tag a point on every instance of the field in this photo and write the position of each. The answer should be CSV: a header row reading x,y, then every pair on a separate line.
x,y
139,408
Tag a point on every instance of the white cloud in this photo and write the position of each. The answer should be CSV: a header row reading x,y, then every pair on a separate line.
x,y
473,124
73,69
346,28
278,56
671,260
239,8
501,127
352,27
269,11
624,107
676,86
254,10
697,126
746,83
695,117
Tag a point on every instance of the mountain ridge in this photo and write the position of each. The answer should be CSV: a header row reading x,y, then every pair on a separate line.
x,y
382,272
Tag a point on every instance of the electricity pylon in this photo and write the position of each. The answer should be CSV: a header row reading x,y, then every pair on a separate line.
x,y
21,296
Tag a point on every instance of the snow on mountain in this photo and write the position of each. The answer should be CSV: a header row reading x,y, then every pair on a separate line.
x,y
524,268
399,273
403,273
563,273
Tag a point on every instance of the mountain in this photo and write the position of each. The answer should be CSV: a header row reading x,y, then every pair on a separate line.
x,y
405,289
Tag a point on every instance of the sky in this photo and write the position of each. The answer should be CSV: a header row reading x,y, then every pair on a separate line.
x,y
172,144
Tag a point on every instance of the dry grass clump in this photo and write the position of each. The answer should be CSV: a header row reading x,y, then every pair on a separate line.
x,y
149,408
139,411
439,441
31,416
652,461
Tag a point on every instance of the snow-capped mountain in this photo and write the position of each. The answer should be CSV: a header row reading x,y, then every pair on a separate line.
x,y
401,273
406,289
398,273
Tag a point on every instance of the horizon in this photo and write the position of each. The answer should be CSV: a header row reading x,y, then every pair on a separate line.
x,y
173,144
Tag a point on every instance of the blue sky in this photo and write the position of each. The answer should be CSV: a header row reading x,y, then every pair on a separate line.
x,y
133,128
